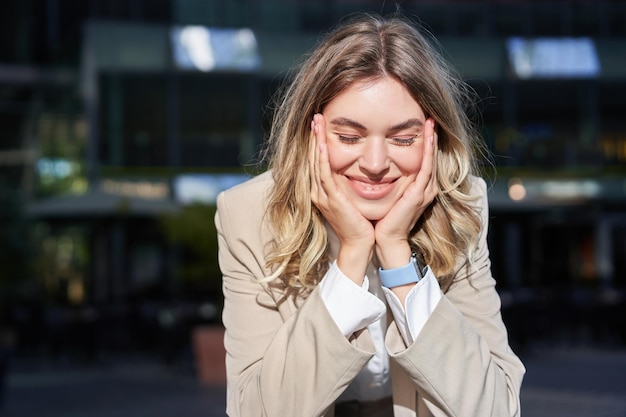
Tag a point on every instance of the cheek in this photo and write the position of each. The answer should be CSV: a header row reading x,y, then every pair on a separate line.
x,y
340,157
409,162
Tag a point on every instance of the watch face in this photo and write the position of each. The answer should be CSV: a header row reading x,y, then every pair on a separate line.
x,y
418,266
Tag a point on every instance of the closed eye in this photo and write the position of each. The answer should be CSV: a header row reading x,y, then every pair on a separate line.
x,y
349,139
404,141
396,140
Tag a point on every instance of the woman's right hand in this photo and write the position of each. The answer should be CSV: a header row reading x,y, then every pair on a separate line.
x,y
355,232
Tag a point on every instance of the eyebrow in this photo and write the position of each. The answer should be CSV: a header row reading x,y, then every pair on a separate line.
x,y
408,123
344,121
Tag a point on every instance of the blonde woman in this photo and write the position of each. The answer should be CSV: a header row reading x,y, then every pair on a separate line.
x,y
356,272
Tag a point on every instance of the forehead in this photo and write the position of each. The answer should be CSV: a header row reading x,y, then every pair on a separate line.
x,y
378,102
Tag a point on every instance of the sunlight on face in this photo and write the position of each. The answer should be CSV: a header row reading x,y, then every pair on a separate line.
x,y
375,143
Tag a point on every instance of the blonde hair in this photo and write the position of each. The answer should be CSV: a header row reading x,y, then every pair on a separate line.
x,y
369,47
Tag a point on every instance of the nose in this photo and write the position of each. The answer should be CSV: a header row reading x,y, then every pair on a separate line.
x,y
375,156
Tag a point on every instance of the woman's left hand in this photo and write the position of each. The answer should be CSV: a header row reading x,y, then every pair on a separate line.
x,y
392,231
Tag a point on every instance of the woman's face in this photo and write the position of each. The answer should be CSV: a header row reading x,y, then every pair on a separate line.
x,y
375,139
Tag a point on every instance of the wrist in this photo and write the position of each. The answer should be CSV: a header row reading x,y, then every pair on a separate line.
x,y
390,256
353,261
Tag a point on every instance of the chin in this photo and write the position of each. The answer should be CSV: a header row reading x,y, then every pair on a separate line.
x,y
374,215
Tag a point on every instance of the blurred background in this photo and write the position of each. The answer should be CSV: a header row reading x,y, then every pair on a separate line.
x,y
120,121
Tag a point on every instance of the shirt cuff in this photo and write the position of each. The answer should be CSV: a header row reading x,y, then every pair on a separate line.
x,y
351,307
420,303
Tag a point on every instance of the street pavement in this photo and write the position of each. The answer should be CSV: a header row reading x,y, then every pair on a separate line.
x,y
560,382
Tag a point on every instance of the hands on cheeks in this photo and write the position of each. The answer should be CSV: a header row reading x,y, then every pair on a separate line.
x,y
392,231
357,235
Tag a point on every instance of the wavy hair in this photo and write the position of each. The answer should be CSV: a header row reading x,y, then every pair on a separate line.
x,y
369,47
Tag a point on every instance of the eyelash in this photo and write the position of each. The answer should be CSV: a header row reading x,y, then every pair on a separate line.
x,y
350,140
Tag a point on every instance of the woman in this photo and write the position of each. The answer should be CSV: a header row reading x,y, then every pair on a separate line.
x,y
356,273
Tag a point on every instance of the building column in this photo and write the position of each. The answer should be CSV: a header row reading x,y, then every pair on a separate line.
x,y
117,271
513,255
604,250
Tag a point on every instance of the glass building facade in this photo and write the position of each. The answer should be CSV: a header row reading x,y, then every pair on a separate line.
x,y
104,120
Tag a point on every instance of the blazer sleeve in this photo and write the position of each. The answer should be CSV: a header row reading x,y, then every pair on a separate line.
x,y
278,364
461,362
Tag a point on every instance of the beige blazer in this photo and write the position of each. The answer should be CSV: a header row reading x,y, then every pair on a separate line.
x,y
287,358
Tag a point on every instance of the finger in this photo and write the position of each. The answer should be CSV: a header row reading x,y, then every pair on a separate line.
x,y
313,170
434,153
318,141
425,173
323,165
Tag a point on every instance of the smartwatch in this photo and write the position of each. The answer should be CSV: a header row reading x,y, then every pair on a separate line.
x,y
411,273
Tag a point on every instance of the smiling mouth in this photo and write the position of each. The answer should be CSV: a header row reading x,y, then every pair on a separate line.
x,y
371,190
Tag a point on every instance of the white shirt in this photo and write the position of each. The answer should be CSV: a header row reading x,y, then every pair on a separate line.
x,y
366,308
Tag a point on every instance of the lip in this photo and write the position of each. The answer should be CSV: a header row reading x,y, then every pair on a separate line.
x,y
371,190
